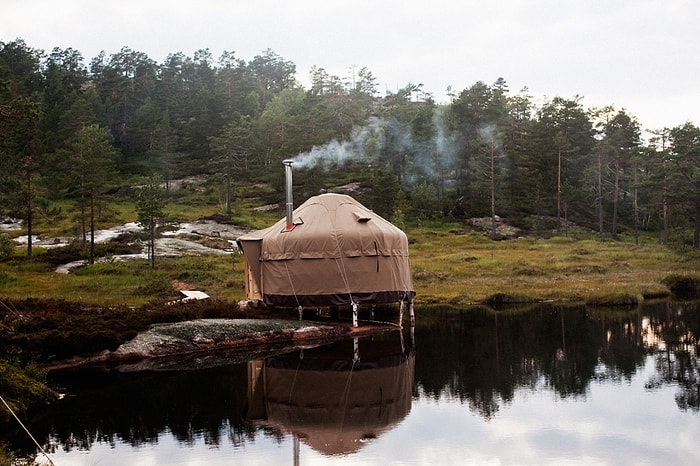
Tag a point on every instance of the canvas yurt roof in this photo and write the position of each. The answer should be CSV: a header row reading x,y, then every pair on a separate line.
x,y
335,252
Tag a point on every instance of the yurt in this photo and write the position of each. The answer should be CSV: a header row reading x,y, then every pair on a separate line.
x,y
330,251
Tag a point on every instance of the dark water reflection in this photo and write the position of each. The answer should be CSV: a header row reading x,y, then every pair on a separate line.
x,y
482,357
542,384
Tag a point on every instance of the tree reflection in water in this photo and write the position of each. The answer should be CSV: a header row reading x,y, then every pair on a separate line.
x,y
481,356
674,340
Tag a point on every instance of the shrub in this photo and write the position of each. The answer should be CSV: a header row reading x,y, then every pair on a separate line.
x,y
683,284
7,246
156,286
71,252
22,387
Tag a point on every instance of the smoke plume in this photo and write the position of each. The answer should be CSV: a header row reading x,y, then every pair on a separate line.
x,y
362,140
382,137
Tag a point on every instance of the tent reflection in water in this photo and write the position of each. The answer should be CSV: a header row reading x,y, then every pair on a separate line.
x,y
330,251
333,399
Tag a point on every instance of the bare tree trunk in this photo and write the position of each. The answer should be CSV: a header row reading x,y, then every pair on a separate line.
x,y
600,193
228,193
559,190
152,241
166,157
616,194
636,209
82,212
665,212
30,214
92,229
493,191
696,231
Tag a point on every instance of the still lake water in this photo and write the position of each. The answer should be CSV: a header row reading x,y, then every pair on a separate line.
x,y
539,385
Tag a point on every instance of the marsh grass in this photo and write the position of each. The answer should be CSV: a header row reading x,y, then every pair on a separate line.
x,y
131,283
462,268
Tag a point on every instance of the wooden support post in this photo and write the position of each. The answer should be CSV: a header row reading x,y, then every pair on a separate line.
x,y
412,325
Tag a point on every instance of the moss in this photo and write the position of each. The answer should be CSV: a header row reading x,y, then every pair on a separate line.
x,y
23,387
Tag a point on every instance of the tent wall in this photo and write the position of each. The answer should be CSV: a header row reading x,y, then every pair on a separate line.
x,y
319,282
251,262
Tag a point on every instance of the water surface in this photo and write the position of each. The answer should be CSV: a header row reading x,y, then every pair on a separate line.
x,y
538,385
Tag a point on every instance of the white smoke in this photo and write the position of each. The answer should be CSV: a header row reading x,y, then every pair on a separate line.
x,y
490,134
446,142
363,143
367,142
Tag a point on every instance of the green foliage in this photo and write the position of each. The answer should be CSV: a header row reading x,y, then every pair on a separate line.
x,y
150,203
424,198
76,250
401,204
231,123
7,246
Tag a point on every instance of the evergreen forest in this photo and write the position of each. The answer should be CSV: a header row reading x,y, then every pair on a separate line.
x,y
82,134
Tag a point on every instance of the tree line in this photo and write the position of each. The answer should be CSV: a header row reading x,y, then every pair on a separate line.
x,y
74,131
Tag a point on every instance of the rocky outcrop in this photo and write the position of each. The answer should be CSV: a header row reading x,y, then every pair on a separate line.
x,y
503,230
173,344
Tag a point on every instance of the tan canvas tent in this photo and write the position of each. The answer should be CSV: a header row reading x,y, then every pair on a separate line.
x,y
334,252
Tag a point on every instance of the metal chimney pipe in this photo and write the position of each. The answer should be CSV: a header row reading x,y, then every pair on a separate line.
x,y
288,188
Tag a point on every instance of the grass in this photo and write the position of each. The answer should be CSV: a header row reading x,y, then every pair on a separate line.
x,y
131,283
456,267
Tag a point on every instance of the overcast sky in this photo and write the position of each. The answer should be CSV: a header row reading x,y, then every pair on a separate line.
x,y
641,55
